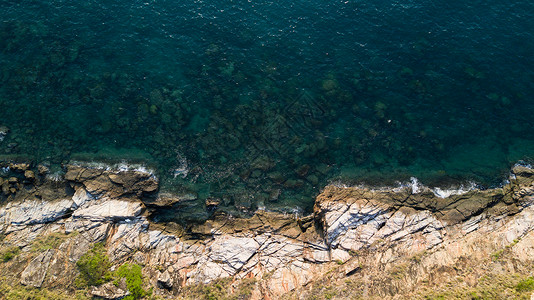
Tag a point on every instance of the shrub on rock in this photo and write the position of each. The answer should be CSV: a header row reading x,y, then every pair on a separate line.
x,y
134,280
94,267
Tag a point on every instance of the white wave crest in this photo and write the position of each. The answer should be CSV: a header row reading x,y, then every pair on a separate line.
x,y
56,176
445,193
123,166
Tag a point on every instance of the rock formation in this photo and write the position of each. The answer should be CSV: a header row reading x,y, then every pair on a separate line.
x,y
360,242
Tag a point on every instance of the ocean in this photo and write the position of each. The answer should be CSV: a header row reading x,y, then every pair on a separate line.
x,y
260,104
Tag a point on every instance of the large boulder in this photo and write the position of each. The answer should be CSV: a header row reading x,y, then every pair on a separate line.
x,y
35,272
110,210
110,183
35,212
109,291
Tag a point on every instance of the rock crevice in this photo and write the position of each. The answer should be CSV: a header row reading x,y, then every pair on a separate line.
x,y
283,253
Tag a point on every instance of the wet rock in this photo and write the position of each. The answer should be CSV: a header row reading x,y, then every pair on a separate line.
x,y
293,183
520,170
43,170
164,200
212,203
149,185
255,174
303,170
12,146
102,185
135,181
112,183
313,179
367,231
274,195
81,174
323,168
3,132
5,187
276,177
29,175
329,84
19,167
305,222
263,163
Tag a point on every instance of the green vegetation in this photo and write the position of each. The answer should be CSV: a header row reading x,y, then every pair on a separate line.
x,y
328,287
399,271
8,253
511,286
10,290
51,241
94,270
134,280
416,258
329,293
222,289
497,255
525,285
353,253
94,267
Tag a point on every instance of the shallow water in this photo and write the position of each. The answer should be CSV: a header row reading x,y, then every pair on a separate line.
x,y
261,103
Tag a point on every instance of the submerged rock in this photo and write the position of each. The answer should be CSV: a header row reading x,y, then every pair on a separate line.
x,y
168,200
3,132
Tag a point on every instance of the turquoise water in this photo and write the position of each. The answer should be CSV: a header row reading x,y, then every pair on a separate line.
x,y
262,103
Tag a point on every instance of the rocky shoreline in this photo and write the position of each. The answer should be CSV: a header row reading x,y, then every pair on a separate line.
x,y
359,242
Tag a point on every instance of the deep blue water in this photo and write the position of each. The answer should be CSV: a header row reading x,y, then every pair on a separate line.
x,y
262,103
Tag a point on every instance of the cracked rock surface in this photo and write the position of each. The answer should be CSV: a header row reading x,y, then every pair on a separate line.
x,y
283,254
